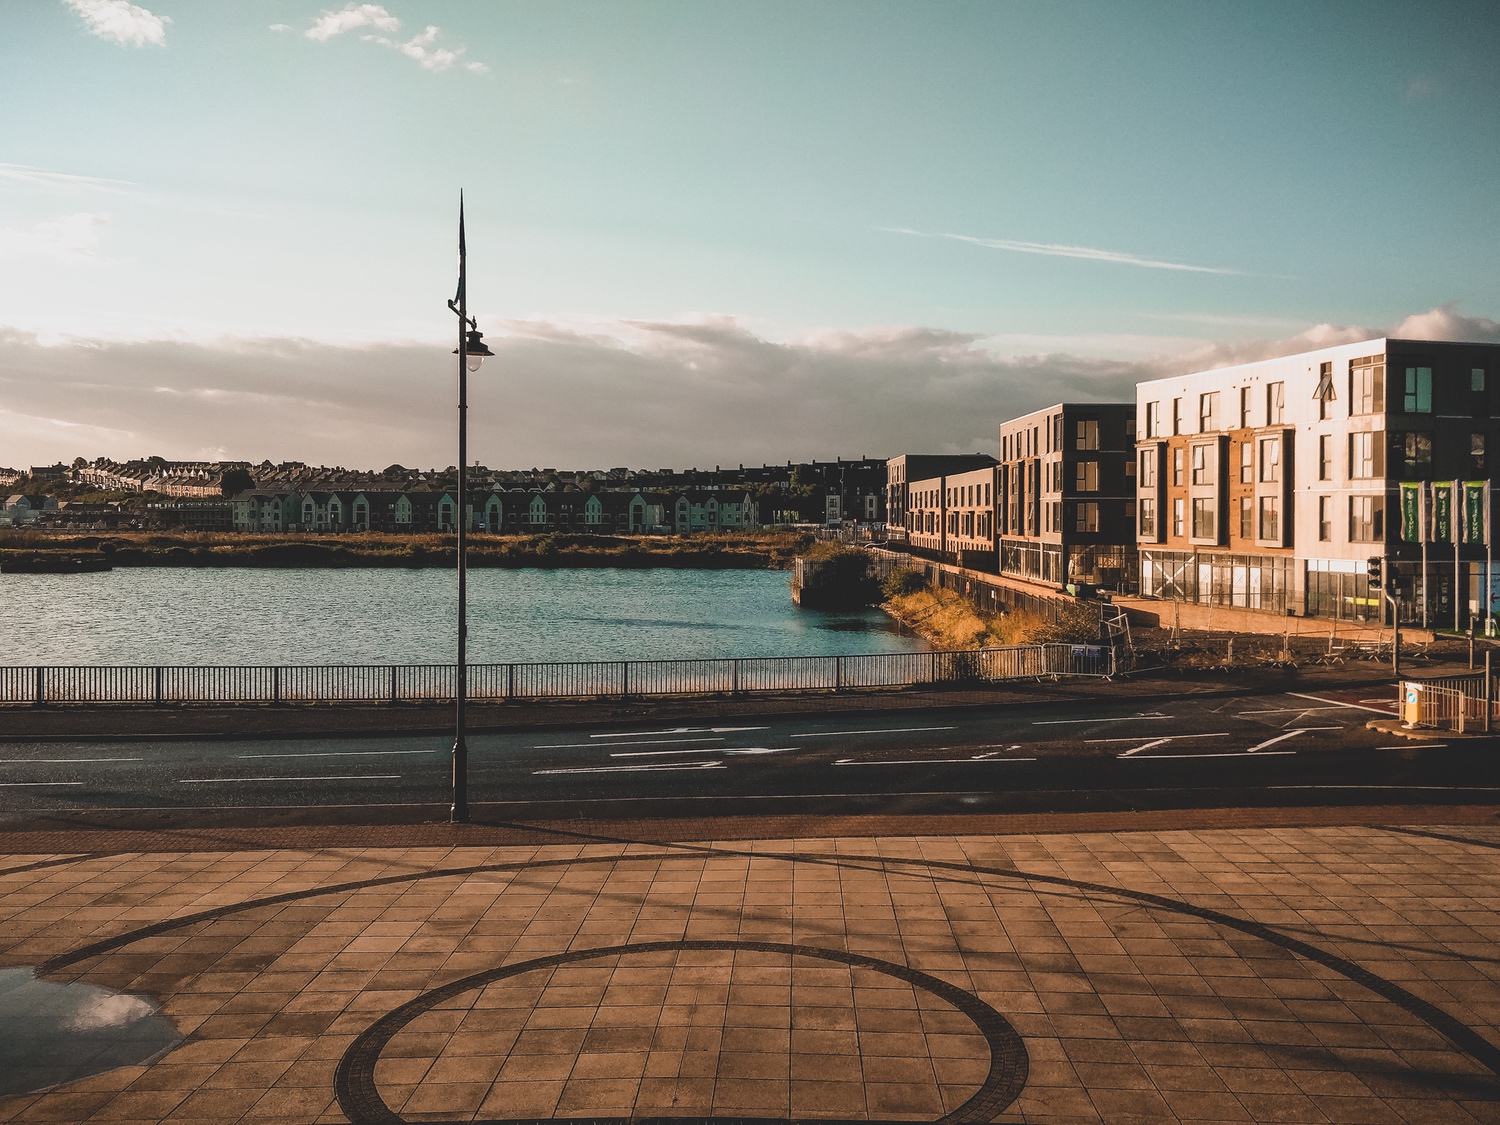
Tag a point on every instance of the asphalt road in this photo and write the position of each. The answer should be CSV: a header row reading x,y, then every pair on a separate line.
x,y
1279,748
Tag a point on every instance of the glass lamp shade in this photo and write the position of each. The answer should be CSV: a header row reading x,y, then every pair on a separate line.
x,y
475,349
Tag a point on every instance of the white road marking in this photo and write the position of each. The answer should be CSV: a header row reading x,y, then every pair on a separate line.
x,y
1143,746
331,754
884,730
676,730
928,761
29,784
1221,754
1111,719
323,777
1412,746
1336,703
1292,710
1274,741
661,767
761,750
52,761
656,753
642,742
1134,738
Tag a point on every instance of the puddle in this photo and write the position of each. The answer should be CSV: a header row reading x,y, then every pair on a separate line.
x,y
55,1033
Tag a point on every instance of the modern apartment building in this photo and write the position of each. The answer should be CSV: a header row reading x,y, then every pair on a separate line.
x,y
1066,495
952,517
902,471
1268,485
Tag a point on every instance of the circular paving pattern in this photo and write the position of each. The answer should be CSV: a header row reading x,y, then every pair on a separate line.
x,y
775,1039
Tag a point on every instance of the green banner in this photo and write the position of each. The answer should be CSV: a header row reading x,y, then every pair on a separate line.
x,y
1411,512
1475,516
1442,512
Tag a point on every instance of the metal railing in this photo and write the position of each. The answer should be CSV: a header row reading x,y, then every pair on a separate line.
x,y
434,683
1464,704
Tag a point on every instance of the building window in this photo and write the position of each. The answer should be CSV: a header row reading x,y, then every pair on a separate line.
x,y
1414,449
1247,462
1366,519
1366,393
1086,476
1325,519
1476,452
1201,469
1176,416
1148,517
1324,394
1088,434
1247,517
1153,419
1362,460
1275,403
1130,429
1270,517
1148,468
1208,412
1177,517
1325,457
1177,466
1418,399
1086,517
1244,408
1270,461
1205,519
1476,379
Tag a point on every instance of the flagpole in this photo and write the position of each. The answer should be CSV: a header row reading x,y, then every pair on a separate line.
x,y
1455,521
1489,564
1422,497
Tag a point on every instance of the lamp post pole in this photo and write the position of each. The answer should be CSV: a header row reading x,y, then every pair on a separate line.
x,y
471,352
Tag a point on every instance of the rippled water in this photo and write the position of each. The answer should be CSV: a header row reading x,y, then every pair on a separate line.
x,y
231,616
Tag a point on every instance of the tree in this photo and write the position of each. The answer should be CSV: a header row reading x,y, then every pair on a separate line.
x,y
80,462
234,481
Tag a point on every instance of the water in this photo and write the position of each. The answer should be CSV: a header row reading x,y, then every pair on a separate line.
x,y
373,616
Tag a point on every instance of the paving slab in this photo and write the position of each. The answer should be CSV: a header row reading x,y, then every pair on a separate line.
x,y
1283,965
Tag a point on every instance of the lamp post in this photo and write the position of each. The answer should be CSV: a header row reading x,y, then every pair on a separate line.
x,y
471,352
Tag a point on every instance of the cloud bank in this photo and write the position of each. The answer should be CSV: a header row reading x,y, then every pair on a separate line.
x,y
70,238
642,393
122,22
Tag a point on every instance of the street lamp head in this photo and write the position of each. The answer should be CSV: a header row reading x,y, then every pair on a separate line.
x,y
475,349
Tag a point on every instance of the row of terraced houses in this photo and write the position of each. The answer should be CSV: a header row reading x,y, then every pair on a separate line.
x,y
1265,486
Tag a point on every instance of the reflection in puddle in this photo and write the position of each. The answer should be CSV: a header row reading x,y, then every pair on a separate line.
x,y
55,1033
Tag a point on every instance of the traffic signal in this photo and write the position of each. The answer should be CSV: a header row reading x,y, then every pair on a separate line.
x,y
1375,570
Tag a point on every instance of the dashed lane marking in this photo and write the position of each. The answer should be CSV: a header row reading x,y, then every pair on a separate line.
x,y
33,784
657,767
1110,719
984,758
642,742
334,754
882,730
1274,741
61,761
675,730
1219,754
320,777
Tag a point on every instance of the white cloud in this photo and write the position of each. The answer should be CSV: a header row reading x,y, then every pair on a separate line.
x,y
124,22
281,27
1059,250
37,177
72,237
422,48
350,18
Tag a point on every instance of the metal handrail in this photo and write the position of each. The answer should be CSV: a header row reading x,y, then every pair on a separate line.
x,y
160,685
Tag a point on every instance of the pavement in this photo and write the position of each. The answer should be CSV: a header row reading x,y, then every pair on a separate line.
x,y
1219,965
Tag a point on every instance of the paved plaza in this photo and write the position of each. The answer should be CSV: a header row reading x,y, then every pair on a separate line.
x,y
1344,973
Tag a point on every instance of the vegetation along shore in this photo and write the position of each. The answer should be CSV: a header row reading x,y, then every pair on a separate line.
x,y
770,550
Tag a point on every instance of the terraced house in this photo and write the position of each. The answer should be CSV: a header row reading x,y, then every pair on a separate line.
x,y
1267,486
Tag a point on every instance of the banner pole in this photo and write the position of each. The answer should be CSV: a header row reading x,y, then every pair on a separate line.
x,y
1422,495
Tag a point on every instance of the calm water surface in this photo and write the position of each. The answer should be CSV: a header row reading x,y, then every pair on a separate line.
x,y
187,616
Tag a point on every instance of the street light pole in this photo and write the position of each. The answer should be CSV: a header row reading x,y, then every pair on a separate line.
x,y
471,352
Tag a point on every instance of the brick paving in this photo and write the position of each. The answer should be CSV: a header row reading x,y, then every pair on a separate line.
x,y
1132,1005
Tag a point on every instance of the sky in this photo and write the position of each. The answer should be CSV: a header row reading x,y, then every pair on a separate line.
x,y
709,233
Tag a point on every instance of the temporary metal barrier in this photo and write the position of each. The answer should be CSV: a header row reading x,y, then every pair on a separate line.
x,y
1465,704
429,683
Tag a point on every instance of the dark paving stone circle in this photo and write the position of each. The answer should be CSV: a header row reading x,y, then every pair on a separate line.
x,y
359,1098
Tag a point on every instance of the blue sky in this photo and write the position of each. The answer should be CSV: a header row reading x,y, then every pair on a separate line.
x,y
1116,184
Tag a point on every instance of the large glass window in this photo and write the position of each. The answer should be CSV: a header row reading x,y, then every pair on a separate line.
x,y
1247,462
1177,467
1176,416
1366,519
1088,434
1324,393
1086,517
1205,519
1418,397
1148,517
1177,508
1202,465
1325,457
1325,519
1086,476
1247,517
1270,460
1148,468
1413,451
1366,385
1275,403
1153,419
1270,517
1245,408
1476,452
1362,456
1208,412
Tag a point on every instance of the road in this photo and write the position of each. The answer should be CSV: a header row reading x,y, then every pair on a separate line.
x,y
1273,748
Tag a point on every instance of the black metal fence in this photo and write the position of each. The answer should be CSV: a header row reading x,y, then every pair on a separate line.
x,y
433,683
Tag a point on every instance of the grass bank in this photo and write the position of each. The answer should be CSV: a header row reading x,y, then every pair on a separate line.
x,y
722,551
947,620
